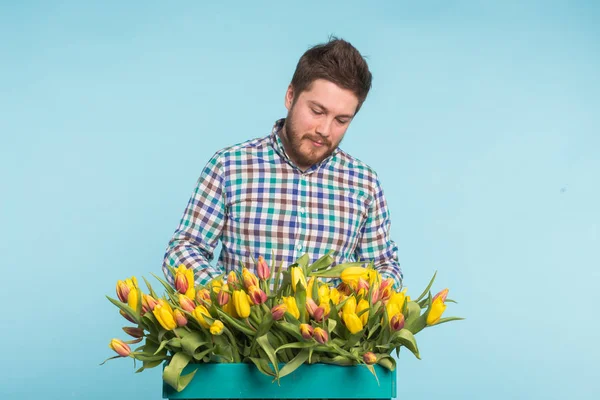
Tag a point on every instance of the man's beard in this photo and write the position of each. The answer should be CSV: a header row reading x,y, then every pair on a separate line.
x,y
295,139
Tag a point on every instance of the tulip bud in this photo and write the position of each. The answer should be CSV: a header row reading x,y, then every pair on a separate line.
x,y
397,322
202,296
324,291
180,319
443,294
199,313
349,306
309,287
311,306
321,335
257,295
334,295
297,277
127,317
232,278
344,289
120,347
184,279
148,303
325,306
122,291
223,296
165,316
278,311
363,305
363,284
134,332
292,307
351,275
262,268
369,358
385,289
249,278
241,303
375,293
216,328
306,331
216,285
437,309
181,283
185,303
352,322
132,299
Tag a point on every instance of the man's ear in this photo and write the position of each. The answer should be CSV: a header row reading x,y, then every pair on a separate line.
x,y
289,97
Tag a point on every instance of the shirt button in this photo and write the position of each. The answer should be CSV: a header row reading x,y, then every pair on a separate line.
x,y
299,247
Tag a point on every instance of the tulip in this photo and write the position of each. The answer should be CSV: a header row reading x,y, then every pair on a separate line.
x,y
369,358
350,306
223,296
185,303
199,313
257,295
373,276
363,285
316,312
132,299
249,278
386,289
262,269
127,317
217,328
278,311
164,314
148,303
397,322
120,347
344,289
123,288
241,303
320,335
180,319
309,287
291,305
437,308
334,295
363,305
202,296
353,322
216,285
297,276
232,278
325,306
306,330
134,332
229,308
375,293
351,275
184,281
396,303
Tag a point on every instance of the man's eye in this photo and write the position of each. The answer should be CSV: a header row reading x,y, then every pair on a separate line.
x,y
342,121
316,112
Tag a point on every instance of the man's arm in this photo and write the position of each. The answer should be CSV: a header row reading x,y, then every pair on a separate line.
x,y
375,243
196,237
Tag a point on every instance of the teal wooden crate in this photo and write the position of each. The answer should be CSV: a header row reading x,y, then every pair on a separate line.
x,y
316,381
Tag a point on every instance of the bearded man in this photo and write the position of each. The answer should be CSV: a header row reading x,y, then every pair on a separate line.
x,y
294,191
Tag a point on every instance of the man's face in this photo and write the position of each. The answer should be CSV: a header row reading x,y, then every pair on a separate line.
x,y
317,121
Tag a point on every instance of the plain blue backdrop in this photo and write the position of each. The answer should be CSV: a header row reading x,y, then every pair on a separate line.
x,y
483,124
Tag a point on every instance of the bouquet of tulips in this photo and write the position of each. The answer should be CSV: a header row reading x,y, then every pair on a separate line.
x,y
277,320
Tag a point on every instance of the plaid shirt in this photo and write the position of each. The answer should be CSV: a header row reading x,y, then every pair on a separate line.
x,y
254,199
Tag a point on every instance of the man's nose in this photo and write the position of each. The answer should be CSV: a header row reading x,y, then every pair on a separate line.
x,y
324,128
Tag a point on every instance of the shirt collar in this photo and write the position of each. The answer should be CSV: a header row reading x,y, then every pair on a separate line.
x,y
279,149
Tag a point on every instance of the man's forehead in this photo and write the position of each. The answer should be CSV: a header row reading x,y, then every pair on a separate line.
x,y
326,94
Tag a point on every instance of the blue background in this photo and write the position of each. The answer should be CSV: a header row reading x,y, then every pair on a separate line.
x,y
483,124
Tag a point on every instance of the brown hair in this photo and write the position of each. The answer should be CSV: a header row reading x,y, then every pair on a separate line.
x,y
336,61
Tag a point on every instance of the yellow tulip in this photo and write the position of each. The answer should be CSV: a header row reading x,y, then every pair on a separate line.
x,y
164,314
325,305
297,276
217,328
386,289
132,299
323,292
306,331
203,295
120,347
374,276
396,303
292,307
320,335
309,287
184,277
334,295
437,309
350,306
216,285
241,303
229,308
363,305
199,313
352,322
249,278
351,275
123,288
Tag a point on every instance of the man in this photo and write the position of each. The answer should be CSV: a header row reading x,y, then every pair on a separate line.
x,y
294,191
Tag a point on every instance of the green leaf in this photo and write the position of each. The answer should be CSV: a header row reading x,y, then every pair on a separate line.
x,y
387,361
265,325
447,319
192,344
262,365
235,323
296,345
289,328
426,289
321,263
150,290
126,309
110,358
296,362
263,341
172,372
407,339
170,290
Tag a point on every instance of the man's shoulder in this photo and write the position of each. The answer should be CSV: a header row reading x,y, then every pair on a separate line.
x,y
243,150
350,164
